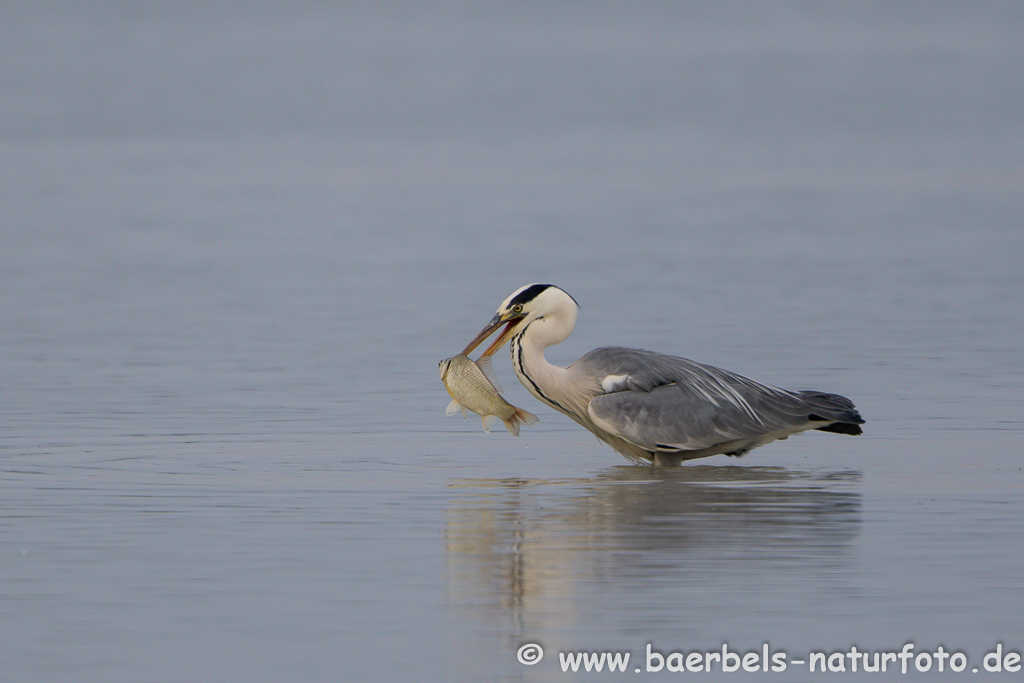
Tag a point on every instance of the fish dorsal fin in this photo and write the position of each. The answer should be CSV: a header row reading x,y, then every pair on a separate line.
x,y
453,407
487,367
486,420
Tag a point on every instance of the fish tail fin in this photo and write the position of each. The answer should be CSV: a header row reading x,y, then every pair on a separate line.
x,y
519,417
525,417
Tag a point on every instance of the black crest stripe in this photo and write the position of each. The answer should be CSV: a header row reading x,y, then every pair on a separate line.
x,y
528,294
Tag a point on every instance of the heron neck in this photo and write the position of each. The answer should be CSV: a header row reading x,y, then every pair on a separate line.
x,y
543,379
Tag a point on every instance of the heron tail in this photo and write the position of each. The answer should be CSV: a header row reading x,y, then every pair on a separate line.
x,y
520,417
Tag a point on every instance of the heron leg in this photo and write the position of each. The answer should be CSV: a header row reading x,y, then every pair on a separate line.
x,y
665,460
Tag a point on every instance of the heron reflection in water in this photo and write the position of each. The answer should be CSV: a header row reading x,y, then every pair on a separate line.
x,y
648,406
554,554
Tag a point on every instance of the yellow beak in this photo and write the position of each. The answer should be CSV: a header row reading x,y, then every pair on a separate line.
x,y
495,323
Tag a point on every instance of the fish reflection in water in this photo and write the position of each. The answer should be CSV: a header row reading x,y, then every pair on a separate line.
x,y
537,550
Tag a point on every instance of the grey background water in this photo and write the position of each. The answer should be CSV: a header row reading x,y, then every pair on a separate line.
x,y
237,238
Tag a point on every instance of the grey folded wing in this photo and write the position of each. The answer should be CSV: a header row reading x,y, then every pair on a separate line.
x,y
675,417
667,403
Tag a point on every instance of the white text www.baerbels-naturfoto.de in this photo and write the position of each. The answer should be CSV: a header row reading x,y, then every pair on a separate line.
x,y
764,660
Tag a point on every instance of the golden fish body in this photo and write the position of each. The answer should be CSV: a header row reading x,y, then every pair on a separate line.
x,y
473,386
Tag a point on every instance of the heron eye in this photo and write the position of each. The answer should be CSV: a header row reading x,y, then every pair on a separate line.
x,y
518,308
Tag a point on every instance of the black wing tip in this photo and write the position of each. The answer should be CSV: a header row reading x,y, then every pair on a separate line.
x,y
843,428
843,422
851,416
842,415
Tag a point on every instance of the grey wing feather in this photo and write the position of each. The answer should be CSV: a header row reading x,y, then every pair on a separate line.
x,y
671,403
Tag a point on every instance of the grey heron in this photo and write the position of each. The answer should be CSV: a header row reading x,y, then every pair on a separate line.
x,y
648,406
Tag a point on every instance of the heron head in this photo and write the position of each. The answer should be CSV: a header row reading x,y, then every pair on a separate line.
x,y
522,307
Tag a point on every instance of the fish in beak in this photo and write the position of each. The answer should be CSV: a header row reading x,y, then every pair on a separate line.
x,y
497,321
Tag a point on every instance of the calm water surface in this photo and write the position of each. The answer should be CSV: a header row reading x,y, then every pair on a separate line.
x,y
236,240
